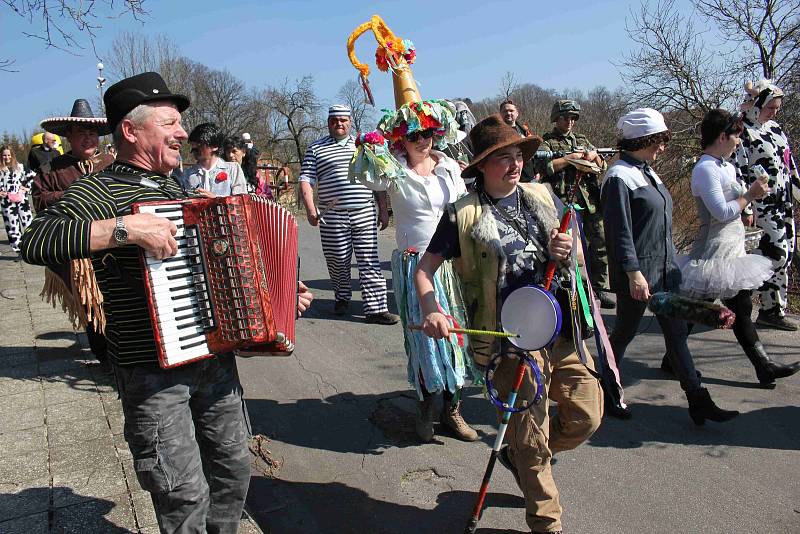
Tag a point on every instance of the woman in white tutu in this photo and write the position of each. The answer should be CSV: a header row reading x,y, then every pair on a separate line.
x,y
718,266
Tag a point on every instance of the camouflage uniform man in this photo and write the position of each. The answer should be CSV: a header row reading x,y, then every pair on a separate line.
x,y
561,175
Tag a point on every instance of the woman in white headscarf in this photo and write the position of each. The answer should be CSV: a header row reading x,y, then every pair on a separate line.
x,y
637,212
765,149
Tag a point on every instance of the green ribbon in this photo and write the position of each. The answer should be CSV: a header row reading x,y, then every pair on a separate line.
x,y
584,300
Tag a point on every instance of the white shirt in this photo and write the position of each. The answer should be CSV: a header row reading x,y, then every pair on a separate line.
x,y
234,183
714,181
418,202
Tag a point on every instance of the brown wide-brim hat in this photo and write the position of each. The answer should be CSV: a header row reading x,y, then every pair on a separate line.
x,y
81,115
493,134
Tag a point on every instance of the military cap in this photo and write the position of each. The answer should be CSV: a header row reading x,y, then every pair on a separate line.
x,y
563,107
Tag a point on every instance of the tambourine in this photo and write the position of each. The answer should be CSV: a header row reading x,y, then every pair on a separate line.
x,y
508,405
533,314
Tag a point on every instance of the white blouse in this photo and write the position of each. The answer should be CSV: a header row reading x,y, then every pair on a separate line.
x,y
418,202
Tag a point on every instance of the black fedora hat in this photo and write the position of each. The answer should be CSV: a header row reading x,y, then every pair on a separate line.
x,y
491,134
81,115
126,94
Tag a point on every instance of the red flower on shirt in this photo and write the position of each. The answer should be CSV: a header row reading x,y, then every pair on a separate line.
x,y
221,177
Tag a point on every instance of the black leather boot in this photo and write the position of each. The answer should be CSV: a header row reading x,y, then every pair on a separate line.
x,y
613,406
423,423
701,407
766,369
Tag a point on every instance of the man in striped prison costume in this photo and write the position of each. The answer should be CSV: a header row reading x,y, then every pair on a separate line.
x,y
350,220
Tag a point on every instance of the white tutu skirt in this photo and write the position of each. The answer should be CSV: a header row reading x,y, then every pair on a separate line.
x,y
722,277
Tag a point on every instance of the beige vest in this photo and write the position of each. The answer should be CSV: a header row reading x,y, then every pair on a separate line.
x,y
482,260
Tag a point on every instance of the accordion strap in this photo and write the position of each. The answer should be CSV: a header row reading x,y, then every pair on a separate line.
x,y
141,181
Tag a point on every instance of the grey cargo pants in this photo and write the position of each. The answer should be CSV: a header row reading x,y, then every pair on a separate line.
x,y
187,430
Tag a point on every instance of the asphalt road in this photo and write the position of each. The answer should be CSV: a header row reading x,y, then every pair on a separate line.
x,y
339,414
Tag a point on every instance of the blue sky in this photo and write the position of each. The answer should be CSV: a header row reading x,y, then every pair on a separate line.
x,y
463,47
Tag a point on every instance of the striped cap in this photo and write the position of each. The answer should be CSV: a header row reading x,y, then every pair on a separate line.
x,y
339,110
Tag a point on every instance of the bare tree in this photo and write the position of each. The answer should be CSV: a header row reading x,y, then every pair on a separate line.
x,y
363,114
507,85
673,68
132,53
294,117
66,24
768,31
224,99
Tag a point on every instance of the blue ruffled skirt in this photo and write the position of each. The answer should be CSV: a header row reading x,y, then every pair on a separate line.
x,y
435,364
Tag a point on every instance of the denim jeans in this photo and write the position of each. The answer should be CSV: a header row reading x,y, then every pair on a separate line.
x,y
187,430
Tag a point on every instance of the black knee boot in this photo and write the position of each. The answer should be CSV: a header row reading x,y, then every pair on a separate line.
x,y
701,407
766,369
425,417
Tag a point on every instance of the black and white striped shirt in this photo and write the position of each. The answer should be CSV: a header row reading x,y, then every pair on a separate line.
x,y
325,164
61,233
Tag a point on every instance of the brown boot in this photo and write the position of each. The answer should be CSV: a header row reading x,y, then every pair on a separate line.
x,y
451,418
424,421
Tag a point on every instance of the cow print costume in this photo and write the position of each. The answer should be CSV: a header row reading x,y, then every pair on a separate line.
x,y
16,215
767,145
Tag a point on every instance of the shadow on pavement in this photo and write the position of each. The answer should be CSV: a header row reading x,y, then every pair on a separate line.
x,y
765,428
363,424
69,365
301,507
31,510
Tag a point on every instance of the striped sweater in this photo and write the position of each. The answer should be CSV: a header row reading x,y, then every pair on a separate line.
x,y
61,233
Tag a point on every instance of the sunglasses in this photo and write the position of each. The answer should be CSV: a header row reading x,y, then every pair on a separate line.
x,y
424,134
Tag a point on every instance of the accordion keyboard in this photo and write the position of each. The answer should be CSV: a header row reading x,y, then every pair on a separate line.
x,y
180,290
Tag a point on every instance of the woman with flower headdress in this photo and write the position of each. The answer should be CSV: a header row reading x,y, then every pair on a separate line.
x,y
765,150
400,158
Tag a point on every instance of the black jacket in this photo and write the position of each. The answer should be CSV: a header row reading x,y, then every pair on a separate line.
x,y
637,212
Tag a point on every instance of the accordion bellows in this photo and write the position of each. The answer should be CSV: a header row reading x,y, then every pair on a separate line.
x,y
233,284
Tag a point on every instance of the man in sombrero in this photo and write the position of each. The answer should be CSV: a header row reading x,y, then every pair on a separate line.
x,y
73,285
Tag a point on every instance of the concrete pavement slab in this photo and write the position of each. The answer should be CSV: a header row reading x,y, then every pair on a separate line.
x,y
21,419
82,485
109,515
59,394
25,466
83,455
78,409
10,386
22,441
11,357
77,430
23,401
32,524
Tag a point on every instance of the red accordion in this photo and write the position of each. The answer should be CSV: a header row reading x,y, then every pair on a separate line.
x,y
233,284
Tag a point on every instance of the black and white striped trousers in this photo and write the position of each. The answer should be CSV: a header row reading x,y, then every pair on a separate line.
x,y
343,233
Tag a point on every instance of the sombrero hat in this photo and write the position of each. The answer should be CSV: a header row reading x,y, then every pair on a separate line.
x,y
81,115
